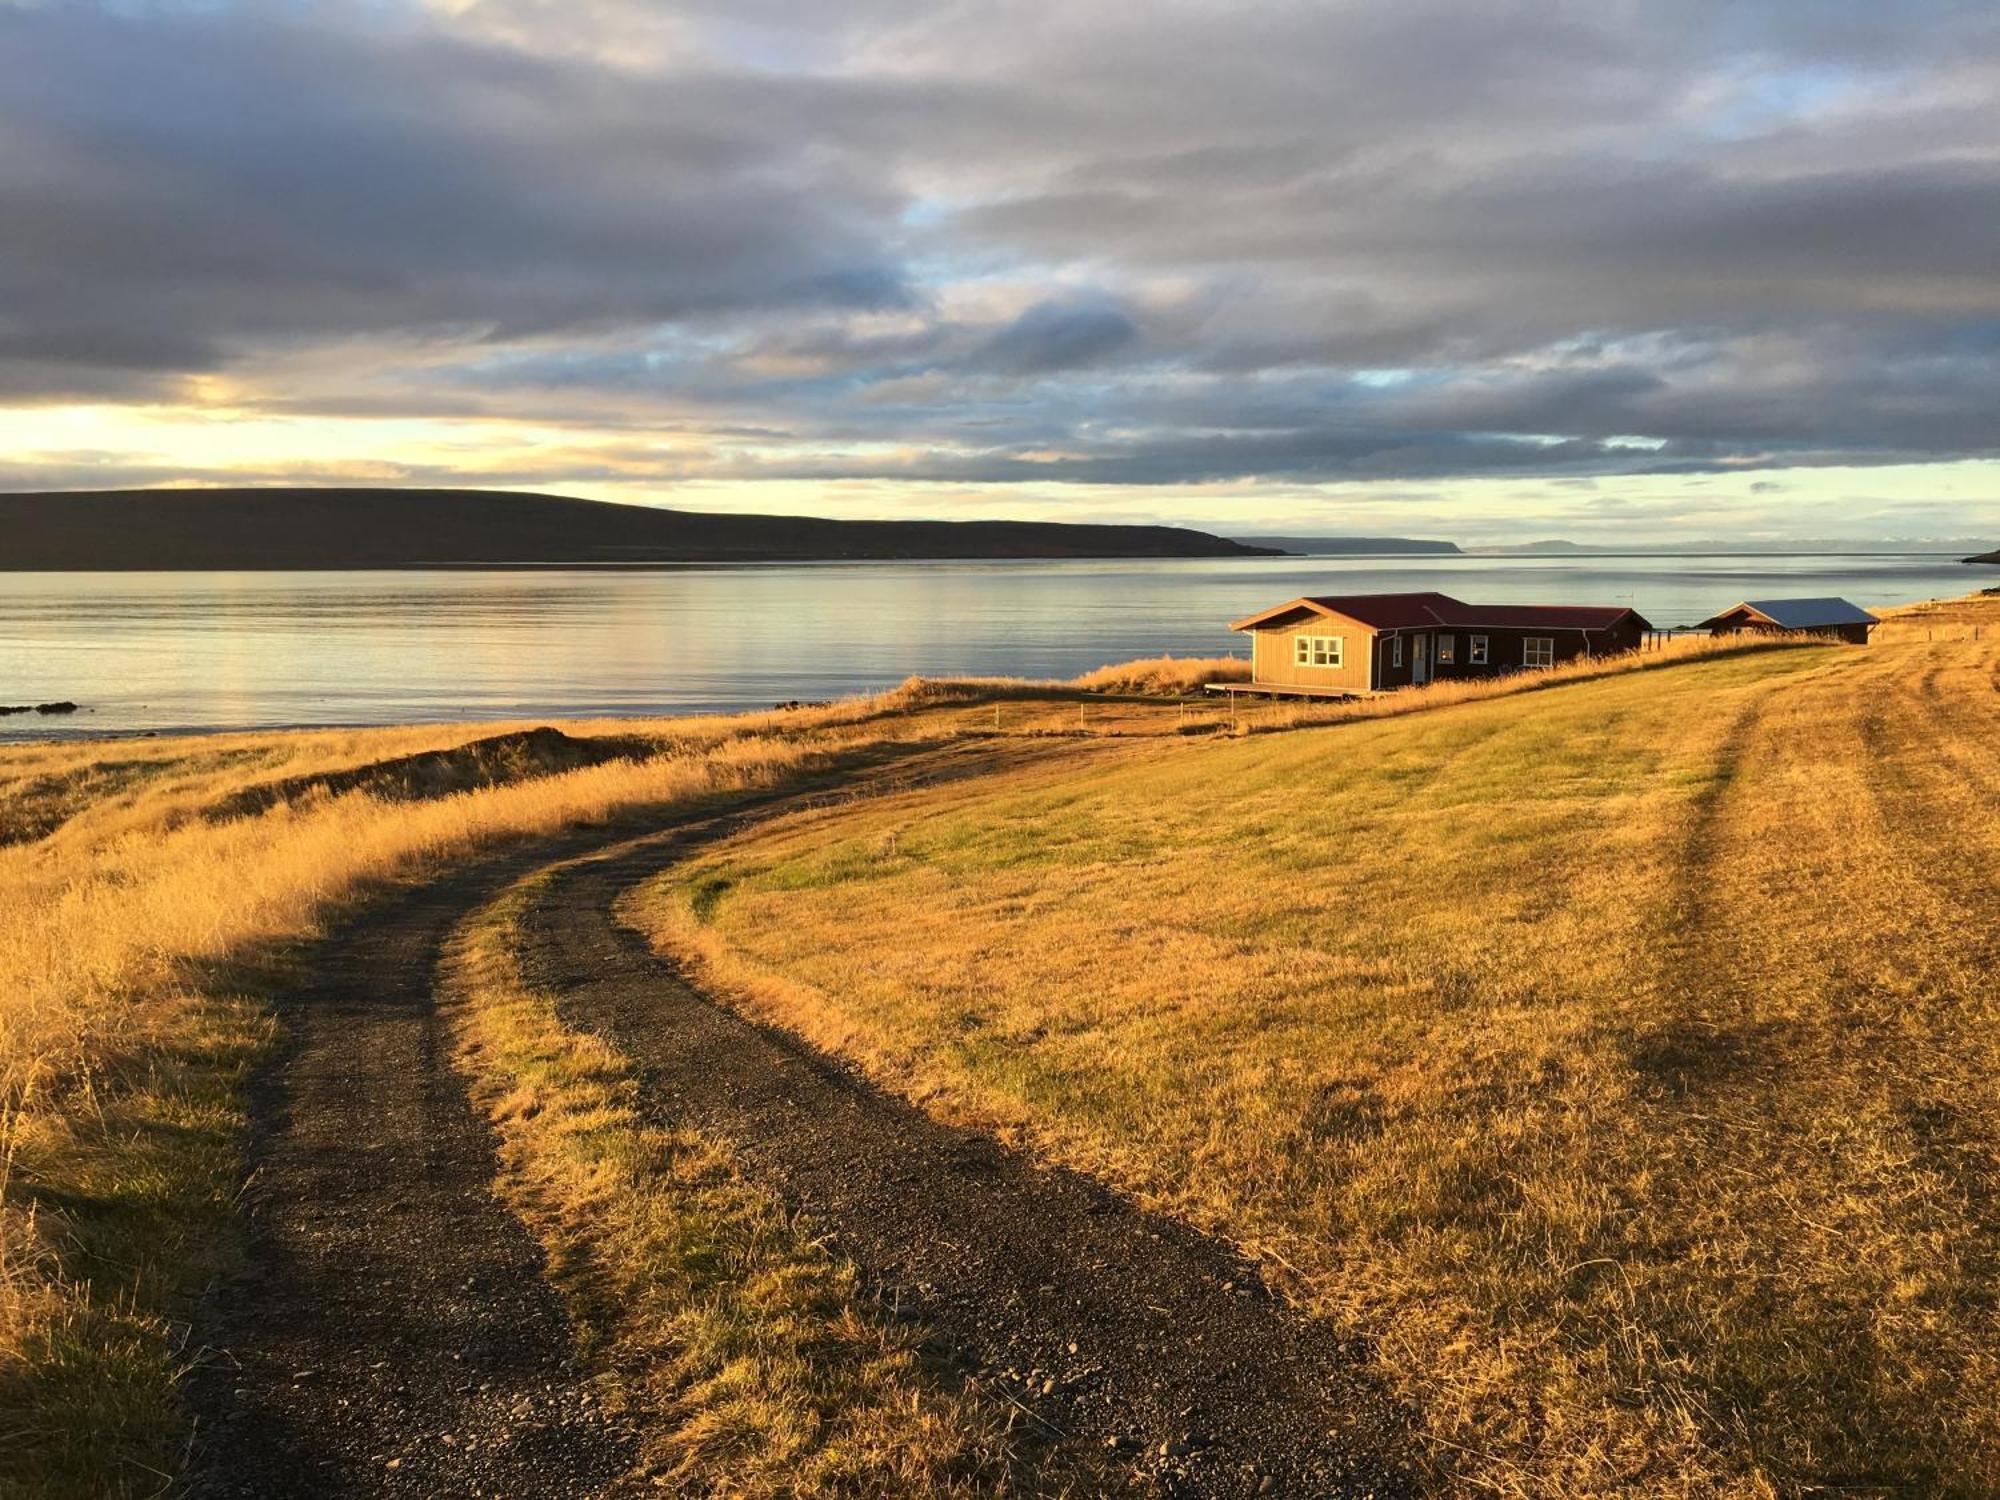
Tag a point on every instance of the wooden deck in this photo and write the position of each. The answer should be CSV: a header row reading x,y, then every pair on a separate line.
x,y
1284,690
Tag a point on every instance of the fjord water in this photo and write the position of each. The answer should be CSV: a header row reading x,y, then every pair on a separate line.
x,y
167,651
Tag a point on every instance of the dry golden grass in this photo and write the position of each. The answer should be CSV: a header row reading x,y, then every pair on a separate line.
x,y
1620,1057
1111,700
736,1344
137,930
1164,676
134,938
1254,716
1153,676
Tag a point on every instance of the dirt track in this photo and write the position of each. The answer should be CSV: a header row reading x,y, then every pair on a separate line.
x,y
1138,1329
394,1334
393,1301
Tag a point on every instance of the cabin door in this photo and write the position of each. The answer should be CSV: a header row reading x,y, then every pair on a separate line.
x,y
1420,660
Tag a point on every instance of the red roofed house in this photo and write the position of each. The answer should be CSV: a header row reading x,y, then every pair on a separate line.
x,y
1370,643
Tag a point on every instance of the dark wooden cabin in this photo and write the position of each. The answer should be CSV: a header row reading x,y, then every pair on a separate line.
x,y
1835,619
1371,643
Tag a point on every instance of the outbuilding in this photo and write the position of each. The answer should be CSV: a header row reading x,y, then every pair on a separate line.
x,y
1835,619
1348,644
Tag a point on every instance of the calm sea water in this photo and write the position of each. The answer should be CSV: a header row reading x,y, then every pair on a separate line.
x,y
213,650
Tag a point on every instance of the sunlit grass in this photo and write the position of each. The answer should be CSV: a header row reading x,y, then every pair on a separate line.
x,y
138,930
134,940
1620,1058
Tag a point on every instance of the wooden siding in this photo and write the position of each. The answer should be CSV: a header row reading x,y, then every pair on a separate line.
x,y
1740,621
1272,663
1387,673
1271,660
1506,650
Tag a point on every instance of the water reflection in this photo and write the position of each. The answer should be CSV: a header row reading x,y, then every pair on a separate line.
x,y
174,650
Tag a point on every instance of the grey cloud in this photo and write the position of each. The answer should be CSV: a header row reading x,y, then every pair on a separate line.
x,y
1170,244
1053,336
208,181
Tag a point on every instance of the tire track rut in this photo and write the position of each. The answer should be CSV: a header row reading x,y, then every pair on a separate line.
x,y
1109,1325
393,1332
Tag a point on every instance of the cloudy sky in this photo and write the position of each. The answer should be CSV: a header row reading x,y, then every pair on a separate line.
x,y
1489,269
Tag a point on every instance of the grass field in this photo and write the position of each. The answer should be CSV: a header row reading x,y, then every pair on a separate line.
x,y
152,892
137,933
1618,1058
1614,1055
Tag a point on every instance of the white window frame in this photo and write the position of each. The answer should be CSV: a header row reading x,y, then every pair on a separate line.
x,y
1534,646
1447,649
1327,651
1476,654
1395,651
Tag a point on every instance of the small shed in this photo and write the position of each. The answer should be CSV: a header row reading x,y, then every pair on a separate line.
x,y
1835,619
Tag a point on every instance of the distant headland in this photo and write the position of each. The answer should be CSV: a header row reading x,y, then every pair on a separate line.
x,y
298,529
1352,546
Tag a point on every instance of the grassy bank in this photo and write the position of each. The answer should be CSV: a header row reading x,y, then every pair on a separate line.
x,y
137,934
151,893
1619,1057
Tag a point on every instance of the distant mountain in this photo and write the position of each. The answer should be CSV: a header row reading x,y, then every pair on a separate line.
x,y
130,530
1986,557
1731,547
1351,546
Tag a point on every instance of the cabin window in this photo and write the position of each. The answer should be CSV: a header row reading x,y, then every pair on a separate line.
x,y
1319,650
1478,653
1396,651
1538,651
1447,650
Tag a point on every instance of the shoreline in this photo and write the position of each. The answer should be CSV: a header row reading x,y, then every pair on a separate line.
x,y
677,565
12,738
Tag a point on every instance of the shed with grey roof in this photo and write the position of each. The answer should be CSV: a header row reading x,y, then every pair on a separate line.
x,y
1835,619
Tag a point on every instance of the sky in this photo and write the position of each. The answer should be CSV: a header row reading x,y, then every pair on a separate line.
x,y
1491,270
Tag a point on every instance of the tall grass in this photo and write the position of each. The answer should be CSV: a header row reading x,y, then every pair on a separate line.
x,y
129,1020
138,931
1619,1057
1251,713
1164,675
1155,676
1253,717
